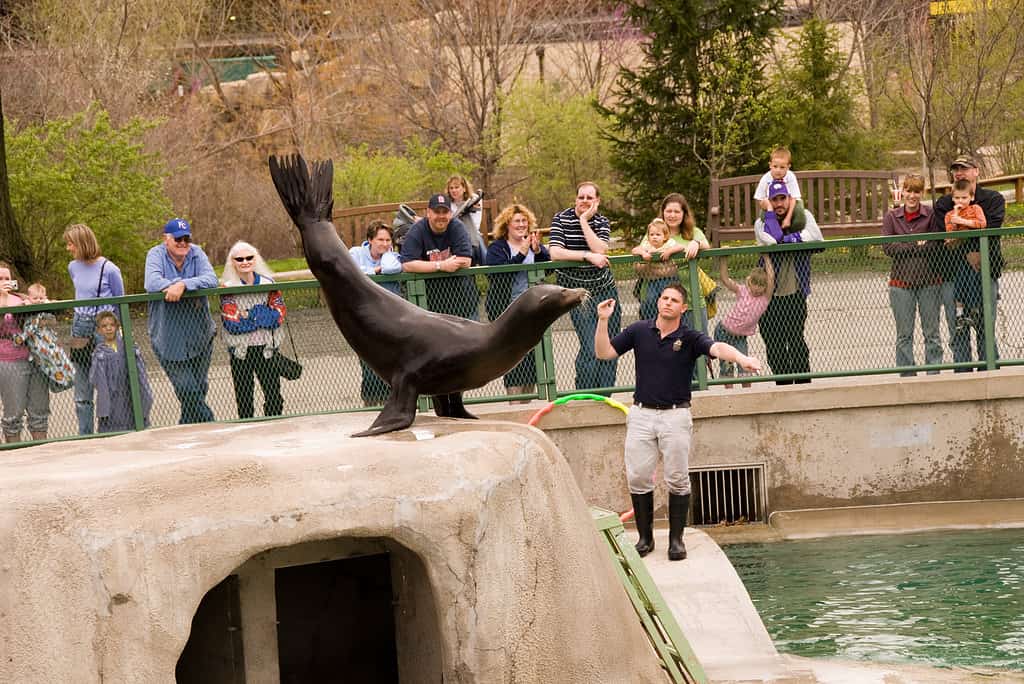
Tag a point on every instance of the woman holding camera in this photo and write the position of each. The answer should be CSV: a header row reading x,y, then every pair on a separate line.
x,y
252,330
20,388
94,276
468,210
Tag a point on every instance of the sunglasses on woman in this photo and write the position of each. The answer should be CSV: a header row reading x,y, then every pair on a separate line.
x,y
241,259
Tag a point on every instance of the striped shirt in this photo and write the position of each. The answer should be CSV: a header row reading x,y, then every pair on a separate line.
x,y
566,232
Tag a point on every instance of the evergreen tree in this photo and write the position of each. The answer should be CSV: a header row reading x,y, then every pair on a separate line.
x,y
821,127
699,104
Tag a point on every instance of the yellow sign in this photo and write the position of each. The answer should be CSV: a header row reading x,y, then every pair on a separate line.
x,y
957,6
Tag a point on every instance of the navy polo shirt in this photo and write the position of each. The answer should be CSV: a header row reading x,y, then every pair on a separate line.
x,y
664,366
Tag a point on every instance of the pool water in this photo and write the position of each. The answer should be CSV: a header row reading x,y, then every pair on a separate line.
x,y
937,598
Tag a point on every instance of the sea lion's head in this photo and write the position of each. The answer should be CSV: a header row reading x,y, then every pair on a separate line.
x,y
546,303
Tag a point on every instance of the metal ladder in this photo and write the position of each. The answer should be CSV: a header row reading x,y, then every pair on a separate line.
x,y
661,627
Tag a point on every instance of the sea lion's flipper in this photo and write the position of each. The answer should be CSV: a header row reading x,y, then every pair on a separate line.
x,y
398,413
307,198
450,406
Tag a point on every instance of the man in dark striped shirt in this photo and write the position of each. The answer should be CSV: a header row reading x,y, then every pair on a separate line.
x,y
581,234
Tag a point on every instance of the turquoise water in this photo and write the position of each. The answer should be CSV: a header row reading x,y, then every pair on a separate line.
x,y
936,598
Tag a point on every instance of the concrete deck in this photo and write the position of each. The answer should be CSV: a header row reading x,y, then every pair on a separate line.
x,y
725,631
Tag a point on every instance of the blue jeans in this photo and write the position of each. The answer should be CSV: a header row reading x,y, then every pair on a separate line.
x,y
590,371
727,369
906,304
960,340
83,325
190,380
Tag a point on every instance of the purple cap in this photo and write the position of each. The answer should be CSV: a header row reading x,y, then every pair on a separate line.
x,y
778,188
440,201
178,227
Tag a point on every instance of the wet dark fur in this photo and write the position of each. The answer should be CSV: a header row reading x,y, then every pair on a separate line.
x,y
414,350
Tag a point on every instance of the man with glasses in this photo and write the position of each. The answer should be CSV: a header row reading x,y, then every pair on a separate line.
x,y
181,330
580,233
993,204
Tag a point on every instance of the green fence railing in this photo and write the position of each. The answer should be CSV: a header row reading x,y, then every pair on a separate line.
x,y
847,322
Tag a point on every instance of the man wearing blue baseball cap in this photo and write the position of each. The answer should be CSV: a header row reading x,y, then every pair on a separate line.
x,y
181,330
782,325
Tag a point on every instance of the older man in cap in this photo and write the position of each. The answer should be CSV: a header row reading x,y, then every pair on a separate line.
x,y
782,325
993,204
181,329
439,243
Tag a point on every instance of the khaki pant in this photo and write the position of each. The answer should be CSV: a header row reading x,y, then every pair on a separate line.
x,y
650,433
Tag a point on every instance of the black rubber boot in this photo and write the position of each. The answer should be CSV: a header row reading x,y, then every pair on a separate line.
x,y
678,507
643,515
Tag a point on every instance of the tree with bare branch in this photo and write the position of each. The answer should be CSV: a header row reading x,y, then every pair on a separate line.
x,y
446,66
953,87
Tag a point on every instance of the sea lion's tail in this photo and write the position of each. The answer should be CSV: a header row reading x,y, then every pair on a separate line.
x,y
307,198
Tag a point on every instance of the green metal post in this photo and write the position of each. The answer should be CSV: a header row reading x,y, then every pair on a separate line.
x,y
544,353
987,305
128,338
416,290
697,306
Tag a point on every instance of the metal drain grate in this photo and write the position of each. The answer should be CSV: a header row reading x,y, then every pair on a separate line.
x,y
728,494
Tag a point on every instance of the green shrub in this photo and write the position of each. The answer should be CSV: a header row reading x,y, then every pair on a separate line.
x,y
83,169
366,176
554,139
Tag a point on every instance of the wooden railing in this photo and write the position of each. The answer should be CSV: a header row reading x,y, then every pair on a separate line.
x,y
1017,180
352,221
843,203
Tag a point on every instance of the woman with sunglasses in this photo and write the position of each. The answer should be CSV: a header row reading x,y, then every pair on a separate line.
x,y
252,330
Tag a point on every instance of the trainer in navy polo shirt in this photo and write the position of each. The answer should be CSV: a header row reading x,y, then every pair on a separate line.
x,y
664,366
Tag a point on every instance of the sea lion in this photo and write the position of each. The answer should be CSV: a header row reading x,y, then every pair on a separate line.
x,y
416,351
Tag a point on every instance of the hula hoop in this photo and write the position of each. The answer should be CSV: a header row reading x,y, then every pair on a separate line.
x,y
575,397
628,515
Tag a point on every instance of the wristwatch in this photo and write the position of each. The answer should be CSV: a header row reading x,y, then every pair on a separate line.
x,y
437,266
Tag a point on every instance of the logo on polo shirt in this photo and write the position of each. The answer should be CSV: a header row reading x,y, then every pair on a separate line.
x,y
677,345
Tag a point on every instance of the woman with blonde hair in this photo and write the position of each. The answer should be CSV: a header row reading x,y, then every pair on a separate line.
x,y
517,241
252,330
93,276
460,191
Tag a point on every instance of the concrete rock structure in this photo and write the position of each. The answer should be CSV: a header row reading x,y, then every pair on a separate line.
x,y
474,536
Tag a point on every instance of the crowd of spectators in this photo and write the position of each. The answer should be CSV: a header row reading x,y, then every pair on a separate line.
x,y
927,278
